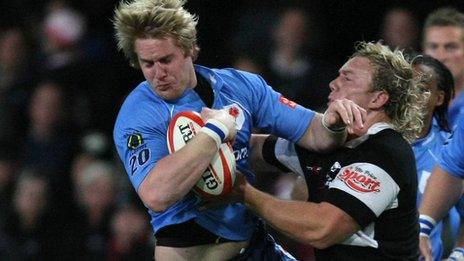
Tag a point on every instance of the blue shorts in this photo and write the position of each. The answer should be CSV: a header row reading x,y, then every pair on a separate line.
x,y
263,247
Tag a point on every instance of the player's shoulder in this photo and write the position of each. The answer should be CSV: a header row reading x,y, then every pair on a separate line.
x,y
389,140
234,83
393,153
389,145
239,75
235,78
140,107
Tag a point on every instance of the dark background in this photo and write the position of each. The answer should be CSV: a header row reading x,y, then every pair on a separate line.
x,y
339,23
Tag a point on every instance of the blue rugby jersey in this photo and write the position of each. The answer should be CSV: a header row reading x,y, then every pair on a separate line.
x,y
427,152
452,159
455,108
140,138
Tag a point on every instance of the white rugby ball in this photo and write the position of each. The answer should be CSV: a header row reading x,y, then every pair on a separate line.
x,y
218,179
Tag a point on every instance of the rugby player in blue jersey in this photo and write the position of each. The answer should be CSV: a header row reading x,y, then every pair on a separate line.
x,y
427,148
444,187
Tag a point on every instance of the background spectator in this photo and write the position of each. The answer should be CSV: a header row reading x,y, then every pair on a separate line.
x,y
129,239
96,189
17,78
33,232
400,29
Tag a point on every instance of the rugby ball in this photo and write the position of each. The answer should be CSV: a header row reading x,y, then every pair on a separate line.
x,y
218,179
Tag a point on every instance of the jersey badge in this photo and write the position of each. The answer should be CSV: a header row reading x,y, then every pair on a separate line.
x,y
237,112
330,176
314,169
134,141
335,167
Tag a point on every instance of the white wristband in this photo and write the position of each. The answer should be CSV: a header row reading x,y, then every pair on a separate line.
x,y
427,224
216,130
331,130
457,254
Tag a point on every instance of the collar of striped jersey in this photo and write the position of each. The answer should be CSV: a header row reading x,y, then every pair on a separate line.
x,y
375,128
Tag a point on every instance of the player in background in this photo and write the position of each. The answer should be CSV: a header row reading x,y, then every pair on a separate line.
x,y
438,80
443,39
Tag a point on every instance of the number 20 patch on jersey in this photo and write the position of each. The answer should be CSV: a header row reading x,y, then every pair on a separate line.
x,y
140,154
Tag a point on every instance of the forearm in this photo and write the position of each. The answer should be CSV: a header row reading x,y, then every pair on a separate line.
x,y
176,174
441,193
319,138
306,222
281,214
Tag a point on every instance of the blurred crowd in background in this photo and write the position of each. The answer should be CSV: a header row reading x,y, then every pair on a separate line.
x,y
63,192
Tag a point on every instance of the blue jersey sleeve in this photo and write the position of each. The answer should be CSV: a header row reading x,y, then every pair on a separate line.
x,y
140,138
273,113
453,153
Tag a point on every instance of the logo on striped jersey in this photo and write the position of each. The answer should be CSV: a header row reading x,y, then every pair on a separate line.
x,y
360,180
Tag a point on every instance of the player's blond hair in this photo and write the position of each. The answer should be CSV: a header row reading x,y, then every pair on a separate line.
x,y
147,19
394,75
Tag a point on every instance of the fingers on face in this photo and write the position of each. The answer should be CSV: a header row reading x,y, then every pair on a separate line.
x,y
345,111
352,115
359,116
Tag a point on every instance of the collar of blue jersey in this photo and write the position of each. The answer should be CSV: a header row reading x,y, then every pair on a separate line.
x,y
375,128
429,137
210,75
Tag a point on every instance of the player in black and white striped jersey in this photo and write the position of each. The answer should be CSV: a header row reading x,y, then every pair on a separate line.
x,y
362,197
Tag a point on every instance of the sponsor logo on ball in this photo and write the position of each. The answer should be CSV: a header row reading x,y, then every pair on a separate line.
x,y
211,182
187,131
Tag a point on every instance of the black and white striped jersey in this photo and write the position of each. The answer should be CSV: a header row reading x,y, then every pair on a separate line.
x,y
373,179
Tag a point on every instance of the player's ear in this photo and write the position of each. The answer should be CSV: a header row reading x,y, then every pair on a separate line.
x,y
440,98
379,99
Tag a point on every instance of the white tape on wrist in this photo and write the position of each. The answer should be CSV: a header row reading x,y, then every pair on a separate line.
x,y
427,224
216,130
331,130
457,254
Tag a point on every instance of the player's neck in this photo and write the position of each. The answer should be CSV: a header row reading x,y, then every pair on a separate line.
x,y
458,85
372,118
427,126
